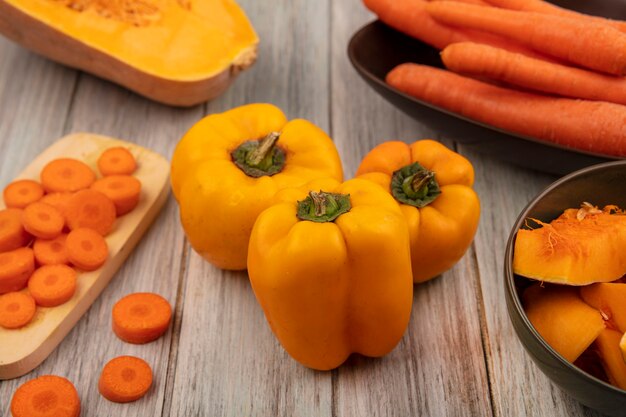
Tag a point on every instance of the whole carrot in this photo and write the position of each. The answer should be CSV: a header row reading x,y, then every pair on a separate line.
x,y
535,74
588,44
410,17
593,126
541,6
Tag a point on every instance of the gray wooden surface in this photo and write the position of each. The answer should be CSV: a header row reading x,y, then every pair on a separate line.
x,y
459,356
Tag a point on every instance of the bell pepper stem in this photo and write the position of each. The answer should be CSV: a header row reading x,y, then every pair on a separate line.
x,y
261,153
323,207
258,158
414,185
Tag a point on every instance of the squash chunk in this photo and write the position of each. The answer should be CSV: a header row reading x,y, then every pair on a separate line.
x,y
622,346
574,250
179,52
564,321
608,344
610,300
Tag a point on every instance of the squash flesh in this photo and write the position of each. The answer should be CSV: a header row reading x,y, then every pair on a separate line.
x,y
608,344
610,300
178,44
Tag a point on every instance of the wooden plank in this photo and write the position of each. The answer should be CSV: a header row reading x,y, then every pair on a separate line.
x,y
229,362
518,386
438,369
25,348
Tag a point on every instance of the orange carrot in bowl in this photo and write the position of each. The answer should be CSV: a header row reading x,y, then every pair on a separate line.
x,y
123,190
588,44
92,209
86,249
52,285
16,267
592,126
17,309
484,61
43,221
541,6
410,17
141,317
12,233
46,396
66,175
125,379
21,193
51,252
117,161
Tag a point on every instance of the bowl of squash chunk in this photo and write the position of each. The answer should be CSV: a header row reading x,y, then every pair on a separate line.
x,y
565,284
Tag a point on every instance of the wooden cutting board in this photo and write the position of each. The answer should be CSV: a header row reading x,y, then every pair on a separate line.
x,y
22,350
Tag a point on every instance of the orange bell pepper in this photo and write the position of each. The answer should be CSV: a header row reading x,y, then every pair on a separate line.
x,y
433,186
330,265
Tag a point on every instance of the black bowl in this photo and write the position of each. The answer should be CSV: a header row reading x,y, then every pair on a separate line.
x,y
376,49
600,185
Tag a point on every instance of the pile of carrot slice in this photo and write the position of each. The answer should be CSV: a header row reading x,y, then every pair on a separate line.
x,y
57,226
528,67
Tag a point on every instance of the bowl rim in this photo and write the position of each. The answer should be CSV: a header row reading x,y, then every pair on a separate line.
x,y
365,73
509,276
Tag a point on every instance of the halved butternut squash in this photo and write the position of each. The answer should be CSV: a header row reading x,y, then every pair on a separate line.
x,y
578,248
564,321
178,52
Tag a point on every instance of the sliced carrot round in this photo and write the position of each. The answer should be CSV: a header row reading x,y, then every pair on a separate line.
x,y
123,190
43,221
12,233
117,161
46,396
125,379
92,209
17,309
52,285
16,267
66,175
141,317
21,193
86,249
57,200
51,251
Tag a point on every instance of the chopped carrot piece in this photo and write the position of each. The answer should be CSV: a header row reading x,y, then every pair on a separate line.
x,y
86,249
57,200
12,233
51,251
125,379
21,193
17,309
42,220
66,175
92,209
52,285
123,190
46,396
16,267
117,161
141,317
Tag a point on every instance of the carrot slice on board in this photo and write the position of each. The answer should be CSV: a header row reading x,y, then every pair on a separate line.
x,y
86,249
92,209
125,379
141,317
16,267
46,396
66,175
123,190
51,251
12,233
17,309
43,221
21,193
117,161
57,200
52,285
